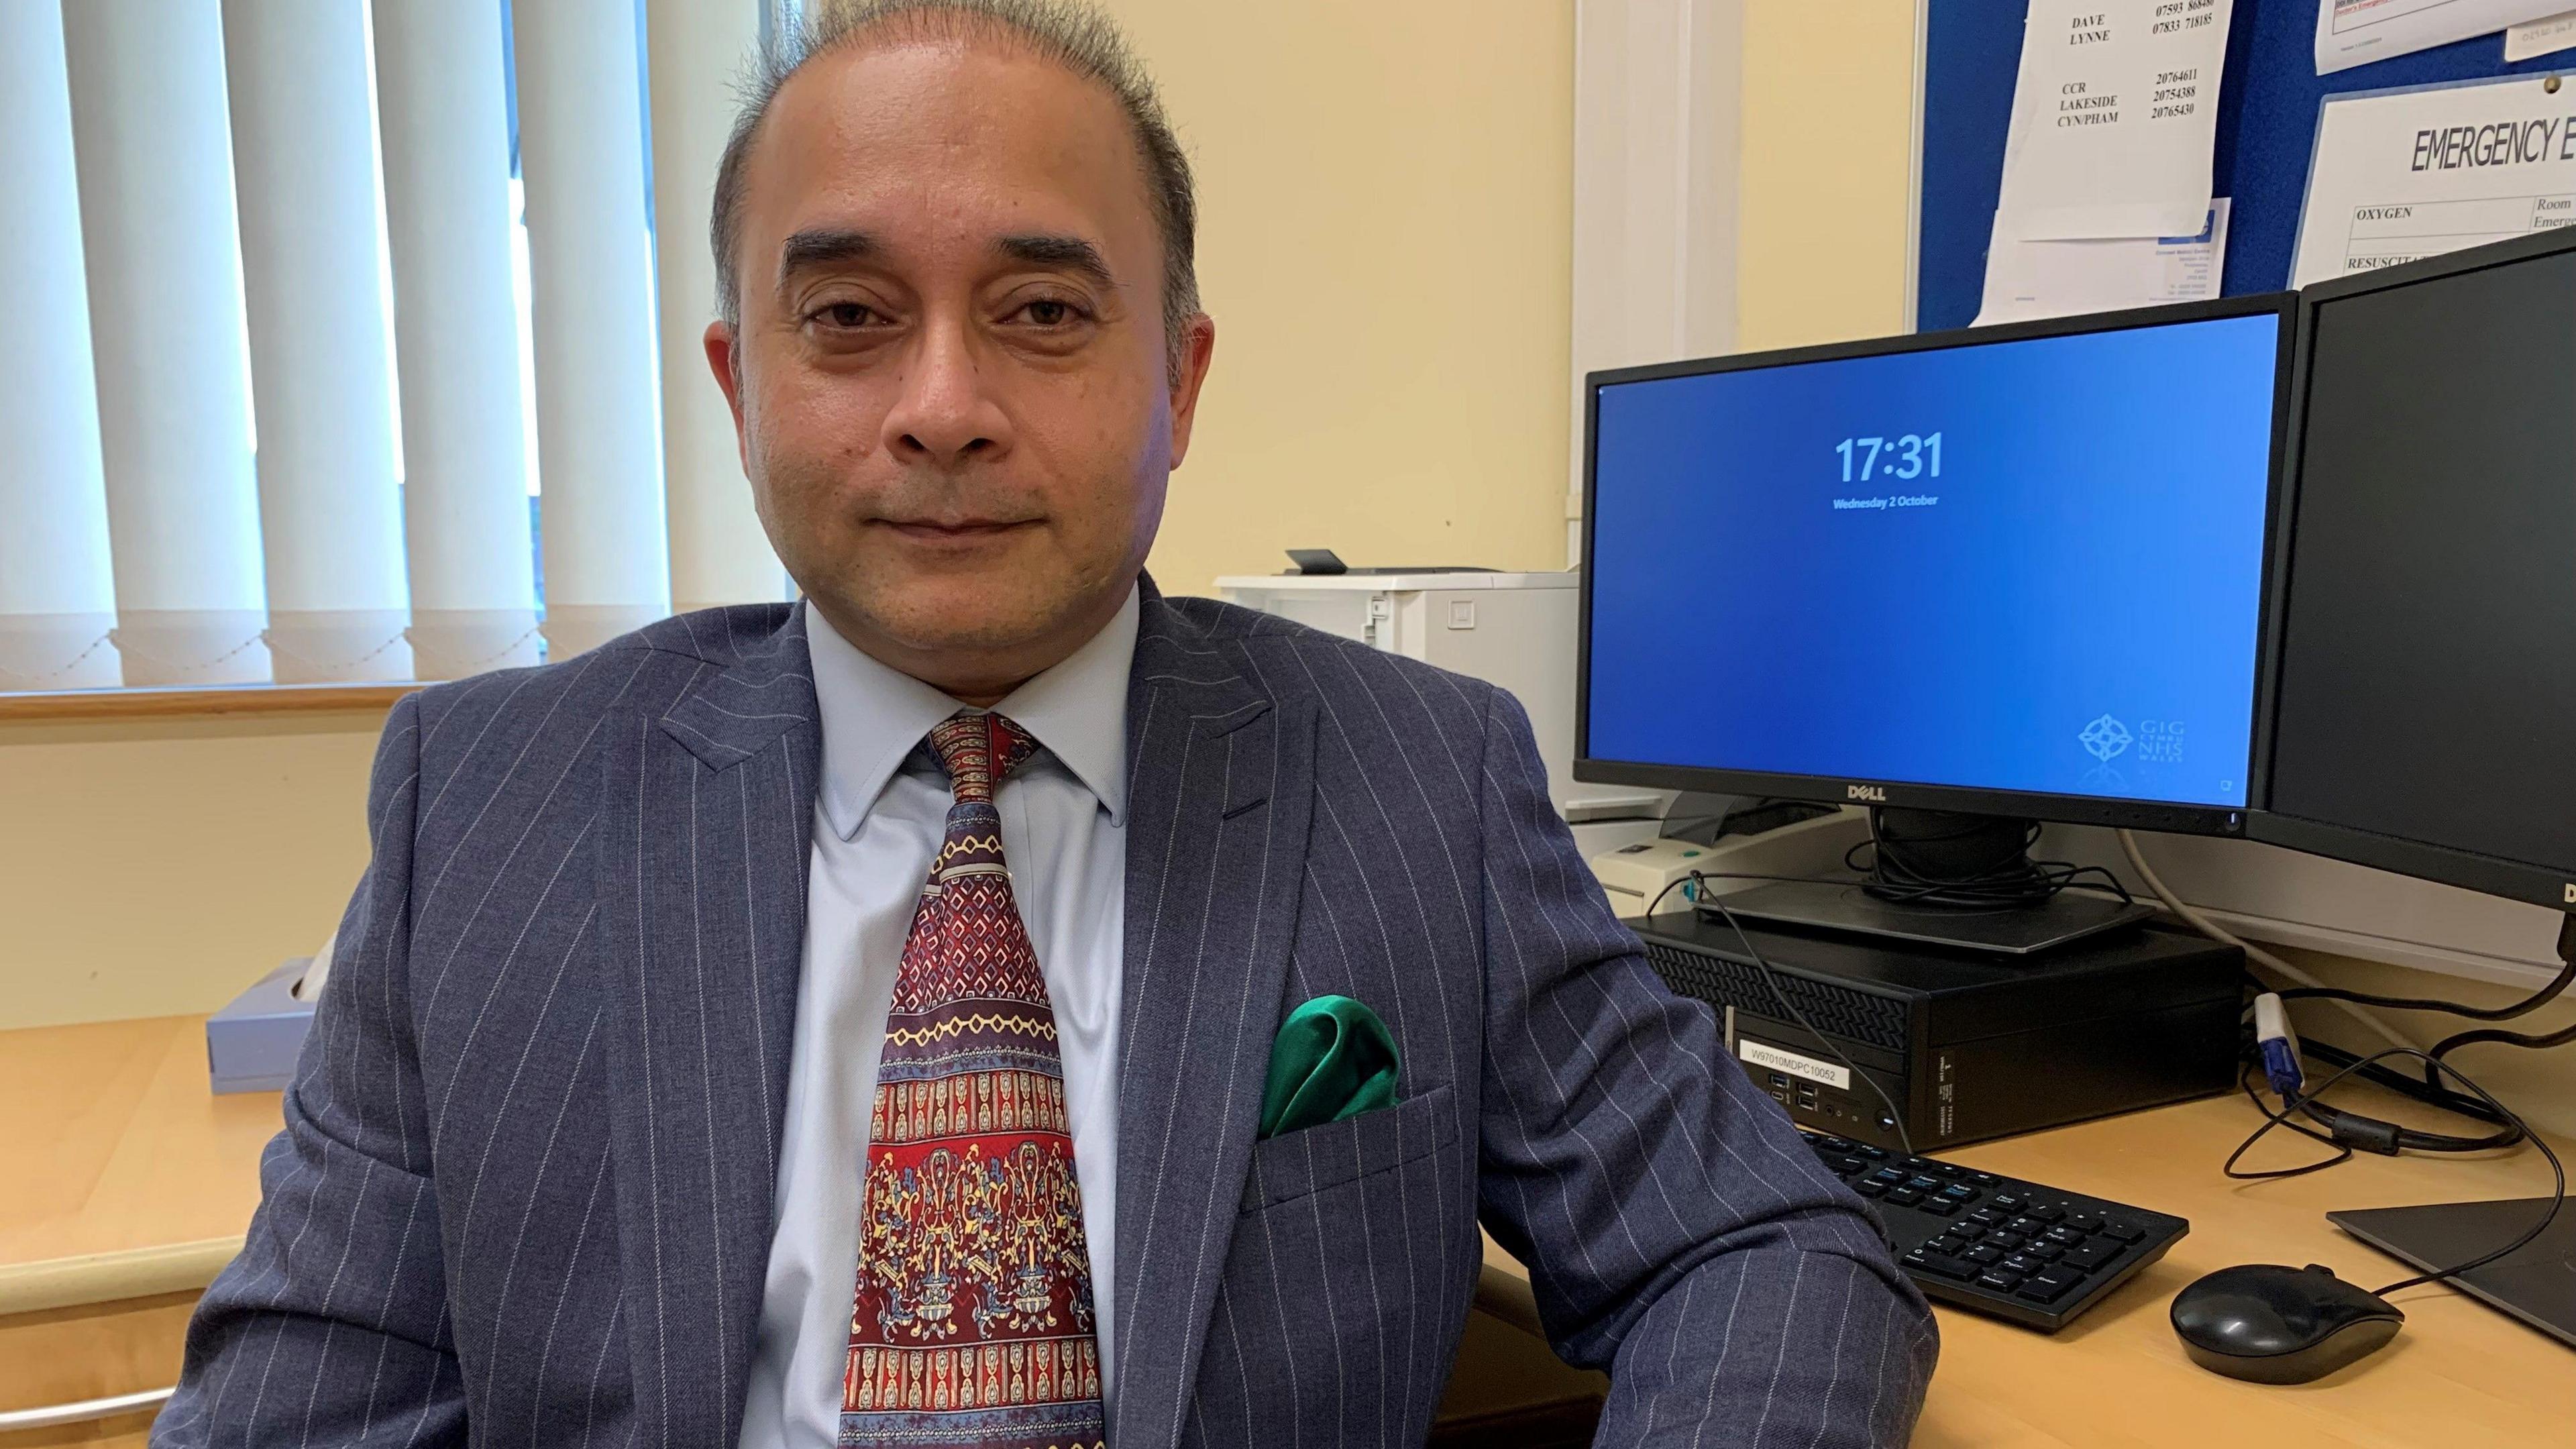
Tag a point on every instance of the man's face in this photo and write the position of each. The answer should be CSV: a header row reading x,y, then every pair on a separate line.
x,y
951,379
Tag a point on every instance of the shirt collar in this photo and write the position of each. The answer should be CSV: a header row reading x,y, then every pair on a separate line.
x,y
874,715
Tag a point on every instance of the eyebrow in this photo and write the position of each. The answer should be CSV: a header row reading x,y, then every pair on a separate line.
x,y
1064,253
827,247
823,248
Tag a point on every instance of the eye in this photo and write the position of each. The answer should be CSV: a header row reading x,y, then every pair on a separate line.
x,y
1049,312
845,315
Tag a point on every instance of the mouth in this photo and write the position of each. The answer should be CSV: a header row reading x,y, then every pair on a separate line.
x,y
954,531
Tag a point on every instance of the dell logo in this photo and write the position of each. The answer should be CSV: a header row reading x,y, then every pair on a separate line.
x,y
1877,796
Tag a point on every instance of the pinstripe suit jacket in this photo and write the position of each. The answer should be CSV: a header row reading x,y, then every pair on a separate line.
x,y
523,1194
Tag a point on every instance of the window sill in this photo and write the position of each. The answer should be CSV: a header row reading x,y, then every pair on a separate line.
x,y
205,703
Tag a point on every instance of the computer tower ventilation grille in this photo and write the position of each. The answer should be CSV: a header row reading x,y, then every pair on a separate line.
x,y
1834,1010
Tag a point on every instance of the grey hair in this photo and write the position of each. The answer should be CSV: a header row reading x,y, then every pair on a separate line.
x,y
1063,32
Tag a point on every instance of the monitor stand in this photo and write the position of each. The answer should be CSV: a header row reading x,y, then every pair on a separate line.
x,y
2012,930
1986,894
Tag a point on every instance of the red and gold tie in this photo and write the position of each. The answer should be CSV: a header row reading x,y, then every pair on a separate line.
x,y
971,1324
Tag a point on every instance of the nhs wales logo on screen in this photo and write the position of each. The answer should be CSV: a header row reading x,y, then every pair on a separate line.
x,y
2150,747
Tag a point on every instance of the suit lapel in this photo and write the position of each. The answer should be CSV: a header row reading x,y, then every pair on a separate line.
x,y
1219,793
706,826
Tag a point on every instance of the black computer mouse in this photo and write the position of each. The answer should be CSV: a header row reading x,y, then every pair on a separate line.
x,y
2279,1325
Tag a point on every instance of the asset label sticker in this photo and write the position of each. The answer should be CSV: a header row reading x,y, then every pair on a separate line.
x,y
1792,1063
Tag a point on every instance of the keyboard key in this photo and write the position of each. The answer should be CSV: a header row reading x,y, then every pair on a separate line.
x,y
1999,1279
1939,1207
2083,1222
1984,1254
1869,1187
1959,1192
2046,1212
1874,1154
1920,1183
1905,1196
1889,1176
1969,1227
2064,1235
1947,1243
2123,1232
2010,1203
1985,1179
2023,1263
2048,1285
2045,1251
2005,1238
1916,1164
1846,1165
1834,1144
2027,1226
2090,1256
1942,1265
1988,1216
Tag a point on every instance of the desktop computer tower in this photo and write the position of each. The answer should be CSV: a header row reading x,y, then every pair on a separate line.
x,y
1964,1046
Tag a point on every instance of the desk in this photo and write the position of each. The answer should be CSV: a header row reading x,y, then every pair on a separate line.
x,y
2460,1373
128,1188
128,1179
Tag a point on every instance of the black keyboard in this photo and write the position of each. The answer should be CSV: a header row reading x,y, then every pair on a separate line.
x,y
2015,1250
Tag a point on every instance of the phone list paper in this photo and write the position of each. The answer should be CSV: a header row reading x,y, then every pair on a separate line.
x,y
2414,173
2114,117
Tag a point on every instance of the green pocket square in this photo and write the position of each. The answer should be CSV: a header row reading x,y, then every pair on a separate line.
x,y
1332,1059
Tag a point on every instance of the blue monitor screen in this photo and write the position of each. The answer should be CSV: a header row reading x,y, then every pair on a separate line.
x,y
2031,565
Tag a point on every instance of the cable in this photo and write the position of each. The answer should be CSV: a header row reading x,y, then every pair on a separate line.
x,y
2280,1117
1771,978
1963,863
2192,917
2426,1089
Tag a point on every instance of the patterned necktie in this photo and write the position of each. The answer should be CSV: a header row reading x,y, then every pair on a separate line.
x,y
971,1327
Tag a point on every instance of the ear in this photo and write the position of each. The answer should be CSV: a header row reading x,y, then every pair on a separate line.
x,y
724,355
1198,349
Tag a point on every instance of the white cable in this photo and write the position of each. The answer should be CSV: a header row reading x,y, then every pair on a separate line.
x,y
2192,917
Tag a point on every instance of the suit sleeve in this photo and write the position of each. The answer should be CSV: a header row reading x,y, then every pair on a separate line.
x,y
1678,1233
331,1327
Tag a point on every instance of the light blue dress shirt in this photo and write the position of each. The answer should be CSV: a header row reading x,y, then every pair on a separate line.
x,y
879,814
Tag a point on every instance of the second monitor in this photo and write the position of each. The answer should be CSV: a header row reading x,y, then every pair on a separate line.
x,y
2016,571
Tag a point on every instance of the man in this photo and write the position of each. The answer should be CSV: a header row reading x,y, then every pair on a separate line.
x,y
656,1099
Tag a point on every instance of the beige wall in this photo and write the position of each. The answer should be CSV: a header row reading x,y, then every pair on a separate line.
x,y
154,868
1386,244
1828,161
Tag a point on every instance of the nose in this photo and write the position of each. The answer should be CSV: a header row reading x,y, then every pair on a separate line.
x,y
943,413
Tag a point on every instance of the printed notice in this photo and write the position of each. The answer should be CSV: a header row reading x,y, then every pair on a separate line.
x,y
2114,117
2028,280
2357,32
2540,37
2415,173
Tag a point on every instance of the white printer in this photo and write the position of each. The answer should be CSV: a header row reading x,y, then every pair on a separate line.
x,y
1515,630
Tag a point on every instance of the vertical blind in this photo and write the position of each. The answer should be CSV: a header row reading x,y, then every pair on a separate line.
x,y
264,418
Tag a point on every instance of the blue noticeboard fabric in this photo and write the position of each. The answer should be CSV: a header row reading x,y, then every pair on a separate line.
x,y
2267,124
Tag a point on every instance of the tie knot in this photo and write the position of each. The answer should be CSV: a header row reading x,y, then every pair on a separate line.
x,y
979,750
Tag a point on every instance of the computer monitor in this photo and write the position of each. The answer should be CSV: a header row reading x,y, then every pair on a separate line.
x,y
2426,649
2016,570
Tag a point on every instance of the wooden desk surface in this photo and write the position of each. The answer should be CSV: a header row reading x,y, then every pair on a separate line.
x,y
127,1177
2459,1373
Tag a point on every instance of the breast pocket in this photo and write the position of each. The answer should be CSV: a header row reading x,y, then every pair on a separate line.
x,y
1346,1284
1308,1161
